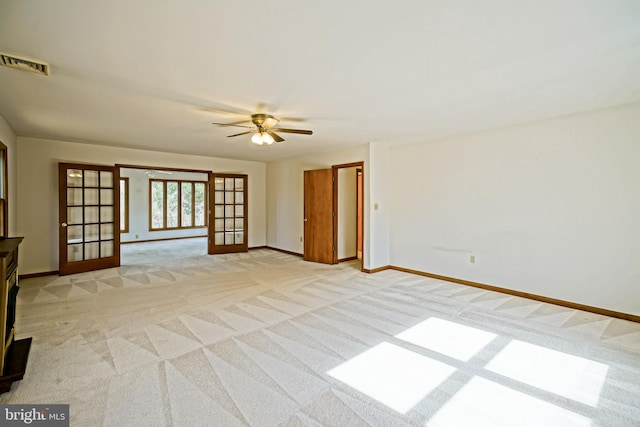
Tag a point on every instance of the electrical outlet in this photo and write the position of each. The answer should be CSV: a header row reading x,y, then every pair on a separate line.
x,y
136,236
472,259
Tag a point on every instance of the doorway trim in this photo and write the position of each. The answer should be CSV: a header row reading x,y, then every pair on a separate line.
x,y
335,169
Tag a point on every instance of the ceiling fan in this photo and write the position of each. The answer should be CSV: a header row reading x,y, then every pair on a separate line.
x,y
264,129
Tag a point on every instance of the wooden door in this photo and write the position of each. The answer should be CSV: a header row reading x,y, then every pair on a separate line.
x,y
89,217
318,216
227,213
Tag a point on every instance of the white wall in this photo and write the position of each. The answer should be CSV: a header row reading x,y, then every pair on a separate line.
x,y
139,205
8,138
379,205
38,189
347,213
285,195
550,208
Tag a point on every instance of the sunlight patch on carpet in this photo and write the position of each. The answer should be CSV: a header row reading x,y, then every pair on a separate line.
x,y
392,375
570,376
451,339
483,403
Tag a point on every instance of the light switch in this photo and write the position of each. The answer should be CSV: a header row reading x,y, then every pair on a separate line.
x,y
375,206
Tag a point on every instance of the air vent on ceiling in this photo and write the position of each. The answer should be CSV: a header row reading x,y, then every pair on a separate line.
x,y
24,64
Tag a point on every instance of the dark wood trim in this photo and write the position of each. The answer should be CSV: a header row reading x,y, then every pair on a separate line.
x,y
193,204
377,270
334,201
161,240
4,215
549,300
41,274
351,258
360,208
253,248
284,251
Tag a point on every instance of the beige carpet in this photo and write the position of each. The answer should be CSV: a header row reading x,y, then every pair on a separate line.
x,y
263,338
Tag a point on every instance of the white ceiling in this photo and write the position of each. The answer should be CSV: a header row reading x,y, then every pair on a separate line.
x,y
141,73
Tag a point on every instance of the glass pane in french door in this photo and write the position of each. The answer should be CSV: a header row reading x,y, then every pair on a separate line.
x,y
228,211
88,201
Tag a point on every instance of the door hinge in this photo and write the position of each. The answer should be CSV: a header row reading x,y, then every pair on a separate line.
x,y
333,178
333,248
333,213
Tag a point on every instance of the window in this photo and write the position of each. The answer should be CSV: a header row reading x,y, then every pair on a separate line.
x,y
177,204
124,205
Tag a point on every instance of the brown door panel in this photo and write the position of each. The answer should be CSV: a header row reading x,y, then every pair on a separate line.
x,y
318,216
89,217
228,213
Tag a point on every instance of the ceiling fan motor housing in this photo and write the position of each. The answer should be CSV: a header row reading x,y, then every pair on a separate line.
x,y
264,121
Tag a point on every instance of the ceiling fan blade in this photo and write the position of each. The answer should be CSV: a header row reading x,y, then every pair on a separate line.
x,y
300,131
292,119
240,112
276,138
234,124
242,133
239,122
270,122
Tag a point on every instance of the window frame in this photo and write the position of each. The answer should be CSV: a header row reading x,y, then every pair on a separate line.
x,y
180,182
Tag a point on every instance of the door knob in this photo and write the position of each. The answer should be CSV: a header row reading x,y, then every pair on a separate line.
x,y
305,220
64,224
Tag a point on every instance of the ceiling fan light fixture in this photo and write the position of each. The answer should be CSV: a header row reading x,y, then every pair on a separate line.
x,y
267,139
257,138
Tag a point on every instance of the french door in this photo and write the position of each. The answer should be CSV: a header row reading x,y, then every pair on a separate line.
x,y
88,217
318,216
227,213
